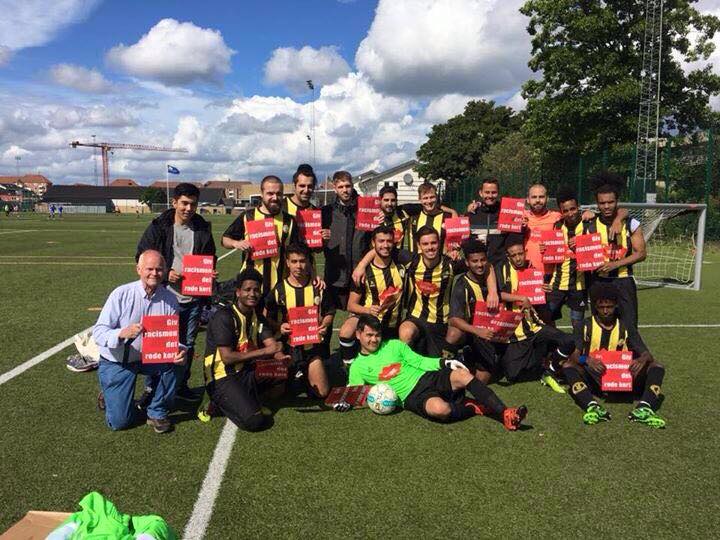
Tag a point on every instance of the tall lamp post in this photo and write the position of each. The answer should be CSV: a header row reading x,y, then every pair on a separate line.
x,y
311,86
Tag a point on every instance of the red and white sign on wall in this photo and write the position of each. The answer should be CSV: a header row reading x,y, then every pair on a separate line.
x,y
304,323
263,238
160,339
555,249
457,230
197,275
530,284
369,214
589,252
511,214
309,223
617,376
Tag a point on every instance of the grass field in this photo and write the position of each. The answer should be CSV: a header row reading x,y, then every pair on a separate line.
x,y
326,475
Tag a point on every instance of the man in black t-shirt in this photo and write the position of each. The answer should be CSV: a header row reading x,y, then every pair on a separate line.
x,y
238,337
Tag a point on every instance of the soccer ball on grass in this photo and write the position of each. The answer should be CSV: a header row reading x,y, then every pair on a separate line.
x,y
382,399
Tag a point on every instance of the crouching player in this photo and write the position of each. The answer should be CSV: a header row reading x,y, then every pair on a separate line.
x,y
605,330
433,388
297,290
237,337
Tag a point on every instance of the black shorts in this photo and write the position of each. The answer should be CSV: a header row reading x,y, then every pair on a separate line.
x,y
432,336
575,300
339,296
432,384
236,395
482,356
524,360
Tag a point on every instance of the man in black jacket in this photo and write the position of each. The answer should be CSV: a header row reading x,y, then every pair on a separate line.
x,y
346,245
177,232
483,214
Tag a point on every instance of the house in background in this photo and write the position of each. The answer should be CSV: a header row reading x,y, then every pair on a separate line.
x,y
124,182
34,182
402,177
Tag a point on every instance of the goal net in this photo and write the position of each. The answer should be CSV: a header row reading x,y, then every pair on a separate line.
x,y
674,236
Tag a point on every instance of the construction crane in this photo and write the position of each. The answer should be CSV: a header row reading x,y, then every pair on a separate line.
x,y
106,148
649,109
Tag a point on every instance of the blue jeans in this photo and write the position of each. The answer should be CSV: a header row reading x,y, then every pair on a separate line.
x,y
117,382
189,326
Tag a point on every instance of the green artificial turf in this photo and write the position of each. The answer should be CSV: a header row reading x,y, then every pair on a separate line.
x,y
324,474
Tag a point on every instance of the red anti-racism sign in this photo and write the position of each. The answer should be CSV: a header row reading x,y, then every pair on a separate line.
x,y
197,279
369,214
160,338
530,283
310,225
304,325
354,395
457,230
617,376
263,238
271,369
555,249
589,252
511,214
502,322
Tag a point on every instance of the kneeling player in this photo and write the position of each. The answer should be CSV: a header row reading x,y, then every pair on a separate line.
x,y
433,388
237,337
470,288
523,357
378,296
297,290
605,330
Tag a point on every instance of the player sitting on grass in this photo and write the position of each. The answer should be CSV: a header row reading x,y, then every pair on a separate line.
x,y
297,290
523,357
238,336
606,330
470,288
378,296
433,388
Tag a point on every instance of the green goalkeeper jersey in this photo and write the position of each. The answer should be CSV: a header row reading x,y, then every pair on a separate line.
x,y
394,363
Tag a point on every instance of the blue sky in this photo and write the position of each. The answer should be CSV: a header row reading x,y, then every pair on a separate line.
x,y
225,79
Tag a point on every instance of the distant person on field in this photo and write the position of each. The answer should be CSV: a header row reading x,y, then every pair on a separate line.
x,y
52,211
177,232
7,210
117,333
60,211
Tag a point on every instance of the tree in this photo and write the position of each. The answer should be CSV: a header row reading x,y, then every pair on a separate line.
x,y
454,150
151,195
514,162
589,55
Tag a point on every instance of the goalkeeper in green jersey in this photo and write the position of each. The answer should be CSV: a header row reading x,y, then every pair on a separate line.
x,y
430,387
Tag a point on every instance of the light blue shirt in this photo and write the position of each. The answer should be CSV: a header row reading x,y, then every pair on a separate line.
x,y
126,305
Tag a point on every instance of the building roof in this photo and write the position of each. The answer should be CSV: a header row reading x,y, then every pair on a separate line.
x,y
225,184
123,182
386,174
25,179
95,194
172,183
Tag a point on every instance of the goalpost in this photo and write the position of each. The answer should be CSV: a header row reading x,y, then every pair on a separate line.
x,y
675,237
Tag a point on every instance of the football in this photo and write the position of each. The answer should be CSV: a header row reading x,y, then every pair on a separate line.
x,y
382,399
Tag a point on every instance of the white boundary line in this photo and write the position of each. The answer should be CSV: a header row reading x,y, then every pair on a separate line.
x,y
14,372
202,511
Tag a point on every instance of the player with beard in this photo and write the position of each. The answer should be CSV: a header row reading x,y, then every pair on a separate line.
x,y
483,214
583,371
235,236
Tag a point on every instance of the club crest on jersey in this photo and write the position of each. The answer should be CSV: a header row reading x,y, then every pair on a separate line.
x,y
390,371
426,288
316,300
285,228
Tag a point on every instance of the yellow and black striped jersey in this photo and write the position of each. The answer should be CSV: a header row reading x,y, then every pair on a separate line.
x,y
566,276
271,268
377,281
399,222
230,327
620,245
617,338
466,292
427,289
435,221
291,207
507,278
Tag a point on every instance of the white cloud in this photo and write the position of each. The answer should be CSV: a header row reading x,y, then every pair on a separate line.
x,y
244,124
14,151
175,53
5,55
517,102
189,135
443,108
30,23
80,78
95,116
435,47
292,67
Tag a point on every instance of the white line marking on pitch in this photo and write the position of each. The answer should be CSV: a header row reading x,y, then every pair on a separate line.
x,y
14,372
202,511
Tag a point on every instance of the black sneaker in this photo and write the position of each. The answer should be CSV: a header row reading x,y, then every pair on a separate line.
x,y
159,425
185,394
145,399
